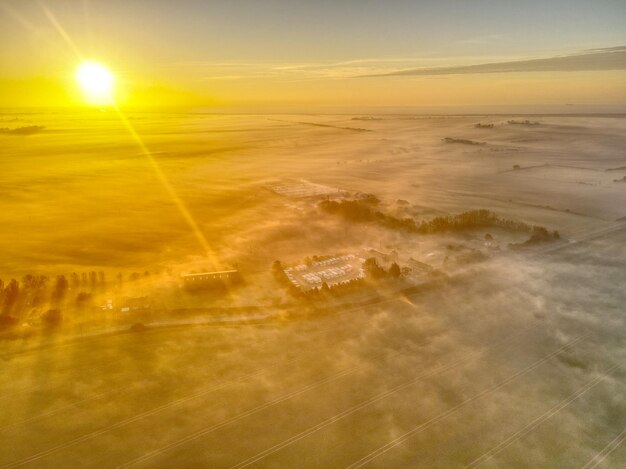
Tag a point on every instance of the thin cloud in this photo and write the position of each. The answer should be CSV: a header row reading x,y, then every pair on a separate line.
x,y
306,70
612,58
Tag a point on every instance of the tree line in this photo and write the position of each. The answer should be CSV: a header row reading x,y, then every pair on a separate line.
x,y
360,211
35,290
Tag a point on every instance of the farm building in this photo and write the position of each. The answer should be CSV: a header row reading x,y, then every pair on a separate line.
x,y
140,303
332,271
210,279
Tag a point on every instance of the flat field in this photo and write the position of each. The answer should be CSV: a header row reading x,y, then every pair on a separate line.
x,y
515,361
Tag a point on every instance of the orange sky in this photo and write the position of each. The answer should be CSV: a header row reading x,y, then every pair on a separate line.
x,y
297,54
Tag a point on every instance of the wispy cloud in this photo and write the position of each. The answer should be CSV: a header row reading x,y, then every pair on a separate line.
x,y
481,39
611,58
303,70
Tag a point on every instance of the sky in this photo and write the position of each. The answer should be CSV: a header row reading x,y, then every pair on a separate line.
x,y
282,53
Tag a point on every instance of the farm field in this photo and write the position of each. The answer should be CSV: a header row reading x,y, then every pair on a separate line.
x,y
523,347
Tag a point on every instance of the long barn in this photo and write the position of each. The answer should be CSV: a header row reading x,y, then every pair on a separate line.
x,y
210,278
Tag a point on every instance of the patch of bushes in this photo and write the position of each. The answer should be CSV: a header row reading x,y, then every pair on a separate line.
x,y
52,318
538,235
463,141
524,122
138,327
26,130
7,321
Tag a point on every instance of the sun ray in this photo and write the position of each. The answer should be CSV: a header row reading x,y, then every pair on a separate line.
x,y
178,202
182,208
62,32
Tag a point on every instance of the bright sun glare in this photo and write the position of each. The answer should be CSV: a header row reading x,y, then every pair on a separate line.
x,y
96,83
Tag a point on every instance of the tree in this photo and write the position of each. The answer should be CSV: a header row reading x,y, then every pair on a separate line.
x,y
28,281
60,287
278,271
370,199
75,279
101,278
372,269
279,274
394,270
34,282
11,294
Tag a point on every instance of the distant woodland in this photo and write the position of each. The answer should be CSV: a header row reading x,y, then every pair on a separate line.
x,y
364,210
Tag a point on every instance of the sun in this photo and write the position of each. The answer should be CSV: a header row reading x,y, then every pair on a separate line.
x,y
96,83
